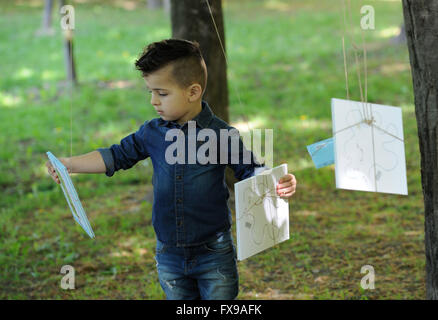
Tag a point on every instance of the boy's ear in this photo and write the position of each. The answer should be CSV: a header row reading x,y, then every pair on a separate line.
x,y
194,92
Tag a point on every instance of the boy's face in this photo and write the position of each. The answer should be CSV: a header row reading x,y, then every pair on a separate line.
x,y
170,101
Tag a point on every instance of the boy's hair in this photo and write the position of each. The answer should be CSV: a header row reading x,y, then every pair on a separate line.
x,y
185,57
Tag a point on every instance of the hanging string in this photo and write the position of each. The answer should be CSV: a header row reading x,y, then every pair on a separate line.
x,y
344,53
68,46
367,111
226,63
345,68
366,75
365,115
70,41
238,96
68,37
371,118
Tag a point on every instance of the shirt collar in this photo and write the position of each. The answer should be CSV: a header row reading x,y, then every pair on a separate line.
x,y
202,119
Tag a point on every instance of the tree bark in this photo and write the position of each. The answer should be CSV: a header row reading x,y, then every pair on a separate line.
x,y
191,21
69,60
421,21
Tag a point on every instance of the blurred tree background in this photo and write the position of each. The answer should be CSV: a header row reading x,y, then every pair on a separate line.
x,y
285,64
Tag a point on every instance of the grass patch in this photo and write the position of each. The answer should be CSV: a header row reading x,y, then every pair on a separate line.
x,y
286,63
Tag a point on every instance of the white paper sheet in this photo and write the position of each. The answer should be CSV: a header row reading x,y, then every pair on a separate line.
x,y
369,147
262,217
71,195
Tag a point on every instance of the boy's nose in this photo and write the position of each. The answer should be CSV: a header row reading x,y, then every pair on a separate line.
x,y
155,101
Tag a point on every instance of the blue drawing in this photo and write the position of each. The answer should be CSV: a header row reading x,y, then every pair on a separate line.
x,y
322,153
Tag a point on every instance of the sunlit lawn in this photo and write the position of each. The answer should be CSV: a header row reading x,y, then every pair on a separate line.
x,y
285,64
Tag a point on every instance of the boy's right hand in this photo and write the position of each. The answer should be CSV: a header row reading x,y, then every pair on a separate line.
x,y
52,170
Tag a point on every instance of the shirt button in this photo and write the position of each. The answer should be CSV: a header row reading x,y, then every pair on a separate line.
x,y
178,177
180,223
179,200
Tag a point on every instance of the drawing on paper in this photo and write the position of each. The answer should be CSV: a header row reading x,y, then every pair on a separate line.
x,y
262,217
369,147
322,153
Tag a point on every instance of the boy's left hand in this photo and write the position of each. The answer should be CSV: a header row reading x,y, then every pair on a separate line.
x,y
286,186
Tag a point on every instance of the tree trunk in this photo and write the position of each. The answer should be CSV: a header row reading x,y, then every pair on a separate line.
x,y
47,19
69,60
421,21
191,20
154,4
46,26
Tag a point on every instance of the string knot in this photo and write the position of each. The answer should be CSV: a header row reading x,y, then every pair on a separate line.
x,y
370,121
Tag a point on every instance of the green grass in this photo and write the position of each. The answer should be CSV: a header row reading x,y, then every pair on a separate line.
x,y
285,63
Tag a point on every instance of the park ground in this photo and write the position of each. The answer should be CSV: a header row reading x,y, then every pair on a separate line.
x,y
285,64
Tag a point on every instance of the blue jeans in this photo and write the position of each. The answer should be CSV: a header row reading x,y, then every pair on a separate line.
x,y
207,271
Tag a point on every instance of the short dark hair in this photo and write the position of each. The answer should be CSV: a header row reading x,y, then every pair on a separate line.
x,y
185,57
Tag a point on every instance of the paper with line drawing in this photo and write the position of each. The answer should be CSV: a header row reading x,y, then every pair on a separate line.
x,y
262,217
369,155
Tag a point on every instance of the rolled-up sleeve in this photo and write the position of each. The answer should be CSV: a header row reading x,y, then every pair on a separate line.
x,y
131,150
108,159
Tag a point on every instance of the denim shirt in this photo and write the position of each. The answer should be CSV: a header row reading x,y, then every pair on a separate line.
x,y
190,199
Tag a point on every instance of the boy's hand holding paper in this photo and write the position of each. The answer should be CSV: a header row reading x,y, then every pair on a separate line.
x,y
262,210
51,170
60,174
286,186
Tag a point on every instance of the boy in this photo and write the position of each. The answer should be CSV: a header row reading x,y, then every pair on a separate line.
x,y
195,253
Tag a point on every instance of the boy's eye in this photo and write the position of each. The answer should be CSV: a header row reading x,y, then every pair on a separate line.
x,y
160,94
